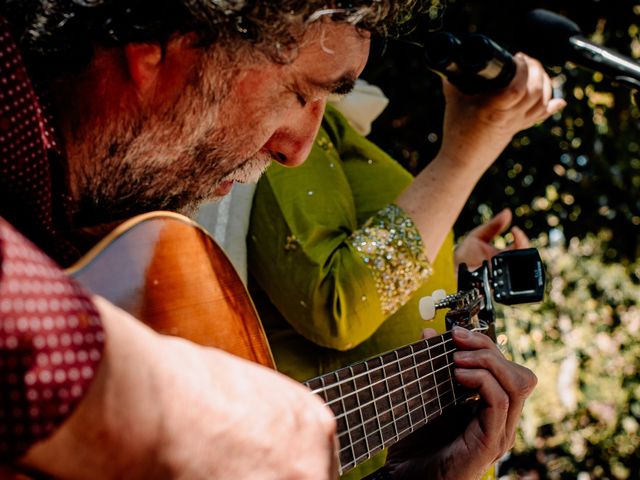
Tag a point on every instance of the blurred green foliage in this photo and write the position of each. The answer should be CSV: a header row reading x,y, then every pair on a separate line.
x,y
583,419
578,173
574,183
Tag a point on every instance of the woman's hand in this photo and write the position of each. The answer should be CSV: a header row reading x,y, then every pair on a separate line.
x,y
477,245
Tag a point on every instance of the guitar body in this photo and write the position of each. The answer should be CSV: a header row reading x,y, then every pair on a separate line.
x,y
169,273
166,271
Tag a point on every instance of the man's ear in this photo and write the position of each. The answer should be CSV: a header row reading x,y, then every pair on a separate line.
x,y
144,61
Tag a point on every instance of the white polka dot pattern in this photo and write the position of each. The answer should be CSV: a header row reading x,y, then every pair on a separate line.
x,y
30,162
51,343
51,338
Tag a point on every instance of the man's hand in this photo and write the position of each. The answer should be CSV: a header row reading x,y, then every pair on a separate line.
x,y
503,387
161,407
477,245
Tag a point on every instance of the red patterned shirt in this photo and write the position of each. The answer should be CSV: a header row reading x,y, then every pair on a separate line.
x,y
51,337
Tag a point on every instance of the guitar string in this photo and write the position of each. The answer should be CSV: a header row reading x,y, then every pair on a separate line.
x,y
393,376
351,444
393,407
420,344
380,367
447,339
388,394
412,426
396,437
363,424
400,435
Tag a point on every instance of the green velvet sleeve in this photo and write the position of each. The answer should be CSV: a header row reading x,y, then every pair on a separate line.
x,y
326,243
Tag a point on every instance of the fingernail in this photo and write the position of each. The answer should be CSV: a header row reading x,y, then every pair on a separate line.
x,y
460,372
460,332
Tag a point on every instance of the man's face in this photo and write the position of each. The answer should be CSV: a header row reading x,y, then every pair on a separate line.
x,y
223,123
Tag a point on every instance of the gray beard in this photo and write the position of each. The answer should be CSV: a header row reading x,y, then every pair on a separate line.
x,y
179,187
168,160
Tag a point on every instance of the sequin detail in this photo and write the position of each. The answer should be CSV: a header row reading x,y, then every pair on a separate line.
x,y
291,244
324,143
390,244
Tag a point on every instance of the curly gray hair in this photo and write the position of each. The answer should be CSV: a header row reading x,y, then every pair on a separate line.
x,y
61,34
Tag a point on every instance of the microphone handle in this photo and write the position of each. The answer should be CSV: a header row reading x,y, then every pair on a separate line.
x,y
487,66
442,53
474,65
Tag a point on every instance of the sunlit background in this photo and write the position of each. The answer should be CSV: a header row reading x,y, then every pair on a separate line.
x,y
574,186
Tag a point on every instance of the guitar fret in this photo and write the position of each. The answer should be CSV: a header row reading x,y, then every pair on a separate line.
x,y
426,379
410,387
391,402
378,430
364,429
449,363
435,381
356,422
370,436
442,372
319,385
402,406
363,400
402,399
347,423
382,400
421,403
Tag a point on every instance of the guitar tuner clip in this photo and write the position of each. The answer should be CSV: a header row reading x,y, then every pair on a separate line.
x,y
512,277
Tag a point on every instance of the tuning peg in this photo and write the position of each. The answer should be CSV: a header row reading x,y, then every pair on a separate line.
x,y
438,295
427,308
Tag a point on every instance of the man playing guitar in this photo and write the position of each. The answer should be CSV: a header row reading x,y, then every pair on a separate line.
x,y
110,109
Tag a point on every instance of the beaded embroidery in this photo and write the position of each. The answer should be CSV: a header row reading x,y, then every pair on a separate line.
x,y
390,244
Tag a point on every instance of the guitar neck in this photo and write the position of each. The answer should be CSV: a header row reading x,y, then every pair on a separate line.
x,y
383,399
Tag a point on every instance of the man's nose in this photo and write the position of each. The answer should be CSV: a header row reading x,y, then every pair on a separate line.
x,y
291,143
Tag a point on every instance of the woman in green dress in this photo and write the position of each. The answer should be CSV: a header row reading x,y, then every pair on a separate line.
x,y
338,267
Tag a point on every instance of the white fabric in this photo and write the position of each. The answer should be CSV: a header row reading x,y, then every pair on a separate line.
x,y
228,222
362,106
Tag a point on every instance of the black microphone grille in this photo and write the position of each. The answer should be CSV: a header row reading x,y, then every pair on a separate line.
x,y
545,35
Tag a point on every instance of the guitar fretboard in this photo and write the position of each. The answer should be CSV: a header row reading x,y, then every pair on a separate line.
x,y
383,399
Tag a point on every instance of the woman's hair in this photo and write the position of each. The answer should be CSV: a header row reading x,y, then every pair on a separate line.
x,y
59,35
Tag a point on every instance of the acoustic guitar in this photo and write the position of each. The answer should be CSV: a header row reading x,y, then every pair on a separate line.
x,y
169,273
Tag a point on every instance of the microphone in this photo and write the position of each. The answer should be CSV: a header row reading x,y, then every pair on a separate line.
x,y
554,39
474,65
488,62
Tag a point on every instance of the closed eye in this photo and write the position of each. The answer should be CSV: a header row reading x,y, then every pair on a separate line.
x,y
301,99
343,88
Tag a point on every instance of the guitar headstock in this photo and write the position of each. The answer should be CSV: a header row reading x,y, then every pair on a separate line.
x,y
464,310
515,276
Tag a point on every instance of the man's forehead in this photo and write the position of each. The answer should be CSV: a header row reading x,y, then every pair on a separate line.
x,y
332,56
